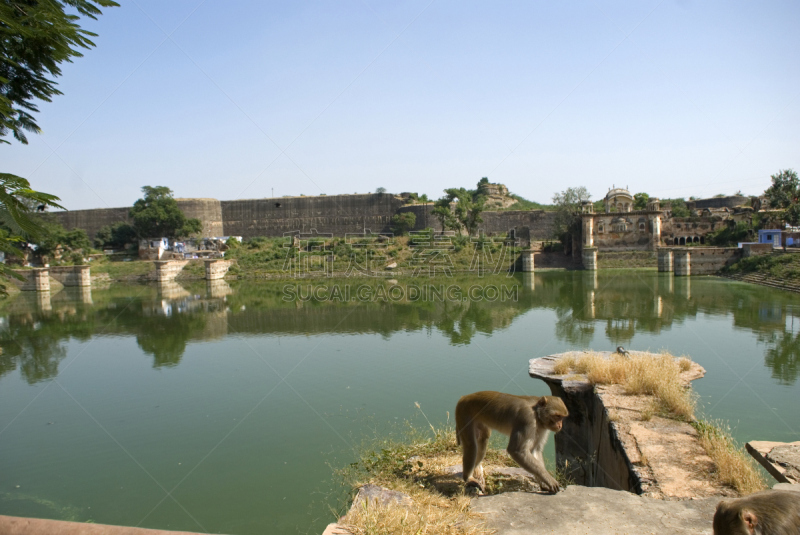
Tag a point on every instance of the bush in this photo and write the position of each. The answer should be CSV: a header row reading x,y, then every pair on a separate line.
x,y
731,236
115,236
402,223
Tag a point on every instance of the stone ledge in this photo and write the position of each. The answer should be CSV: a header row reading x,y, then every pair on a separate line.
x,y
599,511
780,459
12,525
605,441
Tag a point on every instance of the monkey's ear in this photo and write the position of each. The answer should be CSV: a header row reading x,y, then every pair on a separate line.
x,y
750,520
542,402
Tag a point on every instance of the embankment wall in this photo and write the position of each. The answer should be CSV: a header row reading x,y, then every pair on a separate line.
x,y
334,214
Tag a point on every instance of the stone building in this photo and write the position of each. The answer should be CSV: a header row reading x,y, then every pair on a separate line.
x,y
621,228
618,200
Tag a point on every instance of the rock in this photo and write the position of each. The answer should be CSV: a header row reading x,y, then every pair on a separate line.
x,y
788,457
780,459
385,497
392,265
786,486
335,529
596,510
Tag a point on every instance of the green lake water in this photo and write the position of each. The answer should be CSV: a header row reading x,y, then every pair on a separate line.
x,y
223,408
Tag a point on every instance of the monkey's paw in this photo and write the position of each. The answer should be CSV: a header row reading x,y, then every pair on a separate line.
x,y
551,486
479,485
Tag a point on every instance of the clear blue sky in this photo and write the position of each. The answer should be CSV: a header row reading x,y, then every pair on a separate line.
x,y
232,99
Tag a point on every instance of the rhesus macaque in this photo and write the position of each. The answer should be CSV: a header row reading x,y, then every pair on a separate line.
x,y
525,419
770,512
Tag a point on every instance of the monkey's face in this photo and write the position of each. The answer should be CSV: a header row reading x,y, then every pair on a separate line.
x,y
556,422
552,412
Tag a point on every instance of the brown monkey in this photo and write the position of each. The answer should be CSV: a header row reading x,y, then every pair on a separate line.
x,y
525,419
770,512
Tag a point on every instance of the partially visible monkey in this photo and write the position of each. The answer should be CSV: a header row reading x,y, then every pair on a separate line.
x,y
525,419
771,512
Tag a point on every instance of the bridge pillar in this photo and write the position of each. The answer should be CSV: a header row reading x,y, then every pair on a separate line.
x,y
72,275
665,260
36,280
167,270
683,262
216,269
589,257
527,261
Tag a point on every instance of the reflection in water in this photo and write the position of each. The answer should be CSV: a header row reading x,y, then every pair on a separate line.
x,y
218,288
171,290
164,318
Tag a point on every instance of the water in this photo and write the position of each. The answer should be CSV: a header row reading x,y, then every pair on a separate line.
x,y
222,408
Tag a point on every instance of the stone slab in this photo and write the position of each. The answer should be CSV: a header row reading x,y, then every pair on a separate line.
x,y
780,459
595,511
12,525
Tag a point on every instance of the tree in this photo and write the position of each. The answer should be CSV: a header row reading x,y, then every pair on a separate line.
x,y
678,208
442,212
640,201
16,224
36,36
380,190
59,244
115,236
567,222
157,215
466,214
403,222
784,194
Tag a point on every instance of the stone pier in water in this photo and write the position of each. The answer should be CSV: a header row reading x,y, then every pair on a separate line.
x,y
216,268
167,270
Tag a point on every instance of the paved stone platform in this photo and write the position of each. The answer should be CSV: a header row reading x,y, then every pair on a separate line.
x,y
596,511
12,525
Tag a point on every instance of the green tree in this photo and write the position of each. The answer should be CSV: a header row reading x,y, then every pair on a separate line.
x,y
465,215
16,222
115,236
58,244
403,222
36,36
784,194
158,215
567,222
443,212
640,201
679,208
380,190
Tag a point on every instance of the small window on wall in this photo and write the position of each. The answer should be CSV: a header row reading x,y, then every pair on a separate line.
x,y
641,227
600,228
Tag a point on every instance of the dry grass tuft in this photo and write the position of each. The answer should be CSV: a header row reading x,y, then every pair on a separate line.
x,y
652,375
734,466
564,365
430,513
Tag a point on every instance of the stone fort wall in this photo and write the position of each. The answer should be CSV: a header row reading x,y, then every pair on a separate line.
x,y
334,214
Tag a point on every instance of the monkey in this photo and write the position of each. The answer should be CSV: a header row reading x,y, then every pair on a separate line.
x,y
525,419
622,351
770,512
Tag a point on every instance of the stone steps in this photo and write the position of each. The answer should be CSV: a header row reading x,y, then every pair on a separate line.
x,y
765,280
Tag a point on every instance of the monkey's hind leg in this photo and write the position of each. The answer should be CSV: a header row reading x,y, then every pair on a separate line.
x,y
474,444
